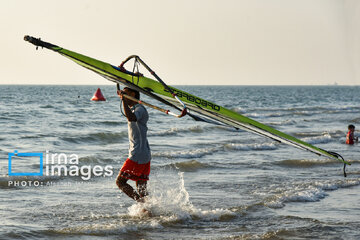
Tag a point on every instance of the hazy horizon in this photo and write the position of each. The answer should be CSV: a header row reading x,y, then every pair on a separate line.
x,y
245,85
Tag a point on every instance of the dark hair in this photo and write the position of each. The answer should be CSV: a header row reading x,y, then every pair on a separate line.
x,y
351,126
137,93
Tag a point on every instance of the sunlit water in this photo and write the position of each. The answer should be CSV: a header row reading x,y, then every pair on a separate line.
x,y
206,182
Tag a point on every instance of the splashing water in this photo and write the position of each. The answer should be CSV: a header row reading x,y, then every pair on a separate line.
x,y
170,201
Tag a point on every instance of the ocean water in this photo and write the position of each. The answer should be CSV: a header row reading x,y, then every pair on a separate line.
x,y
206,182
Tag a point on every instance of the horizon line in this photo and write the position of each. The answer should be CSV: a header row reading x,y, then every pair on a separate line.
x,y
49,84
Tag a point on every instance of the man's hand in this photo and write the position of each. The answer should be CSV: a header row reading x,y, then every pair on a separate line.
x,y
121,94
127,104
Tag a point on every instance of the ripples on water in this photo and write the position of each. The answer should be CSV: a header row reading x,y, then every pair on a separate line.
x,y
206,181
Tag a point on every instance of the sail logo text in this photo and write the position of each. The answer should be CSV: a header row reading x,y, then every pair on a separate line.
x,y
195,99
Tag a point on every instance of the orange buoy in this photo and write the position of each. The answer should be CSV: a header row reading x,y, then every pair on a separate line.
x,y
98,96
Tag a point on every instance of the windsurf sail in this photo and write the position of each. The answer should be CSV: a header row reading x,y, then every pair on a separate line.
x,y
197,108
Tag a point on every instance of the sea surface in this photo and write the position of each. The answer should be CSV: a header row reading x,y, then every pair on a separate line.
x,y
206,182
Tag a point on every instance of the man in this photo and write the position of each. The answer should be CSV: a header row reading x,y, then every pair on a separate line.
x,y
137,165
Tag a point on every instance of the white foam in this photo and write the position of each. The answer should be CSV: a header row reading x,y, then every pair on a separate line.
x,y
254,146
333,185
111,227
325,138
170,199
190,165
175,131
195,153
282,123
170,202
264,115
308,193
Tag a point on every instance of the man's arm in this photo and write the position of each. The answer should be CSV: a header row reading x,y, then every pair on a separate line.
x,y
128,113
131,117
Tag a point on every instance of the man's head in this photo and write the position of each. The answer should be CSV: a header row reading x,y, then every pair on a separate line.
x,y
132,92
351,127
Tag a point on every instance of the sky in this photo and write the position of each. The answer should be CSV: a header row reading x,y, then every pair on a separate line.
x,y
187,42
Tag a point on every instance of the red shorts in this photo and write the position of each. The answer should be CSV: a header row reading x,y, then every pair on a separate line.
x,y
134,171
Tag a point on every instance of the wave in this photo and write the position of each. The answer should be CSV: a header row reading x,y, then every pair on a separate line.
x,y
103,137
253,146
264,115
96,160
201,152
2,117
35,136
109,123
73,124
309,134
171,202
114,227
300,111
93,123
335,134
238,110
168,203
312,192
186,166
175,131
282,123
341,109
305,163
326,138
196,153
47,106
355,120
136,221
277,113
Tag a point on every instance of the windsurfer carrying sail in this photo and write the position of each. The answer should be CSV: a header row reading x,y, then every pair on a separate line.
x,y
137,165
350,138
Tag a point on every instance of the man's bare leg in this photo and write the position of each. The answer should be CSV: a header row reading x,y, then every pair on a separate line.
x,y
141,187
127,189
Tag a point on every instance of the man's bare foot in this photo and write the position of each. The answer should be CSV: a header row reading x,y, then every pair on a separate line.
x,y
146,212
142,199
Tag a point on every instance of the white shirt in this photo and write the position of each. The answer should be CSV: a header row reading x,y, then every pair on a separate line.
x,y
139,150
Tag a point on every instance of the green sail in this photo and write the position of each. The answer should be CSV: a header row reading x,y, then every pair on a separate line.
x,y
211,111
